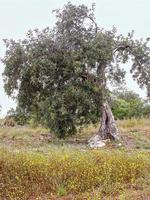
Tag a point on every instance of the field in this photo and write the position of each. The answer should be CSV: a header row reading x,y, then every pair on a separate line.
x,y
34,165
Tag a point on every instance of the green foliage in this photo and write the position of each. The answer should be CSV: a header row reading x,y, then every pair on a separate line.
x,y
120,108
26,174
63,113
59,74
61,191
128,104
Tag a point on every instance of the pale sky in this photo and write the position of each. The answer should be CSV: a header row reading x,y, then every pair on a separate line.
x,y
18,16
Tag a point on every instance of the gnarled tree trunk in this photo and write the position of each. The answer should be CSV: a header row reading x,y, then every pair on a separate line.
x,y
107,130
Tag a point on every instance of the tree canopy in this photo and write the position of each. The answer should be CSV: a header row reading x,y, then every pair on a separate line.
x,y
60,74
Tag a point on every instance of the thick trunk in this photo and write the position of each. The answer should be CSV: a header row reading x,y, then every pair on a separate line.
x,y
107,130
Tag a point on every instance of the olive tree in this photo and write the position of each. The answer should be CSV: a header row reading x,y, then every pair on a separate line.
x,y
61,74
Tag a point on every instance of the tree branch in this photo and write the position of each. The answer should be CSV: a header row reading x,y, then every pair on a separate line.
x,y
96,27
129,49
122,48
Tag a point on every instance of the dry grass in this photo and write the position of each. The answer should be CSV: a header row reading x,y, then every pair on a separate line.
x,y
34,165
135,133
130,124
64,171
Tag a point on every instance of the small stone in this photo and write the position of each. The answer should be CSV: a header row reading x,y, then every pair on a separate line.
x,y
96,142
119,145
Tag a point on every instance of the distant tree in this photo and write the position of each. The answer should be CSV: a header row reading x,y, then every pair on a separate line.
x,y
127,95
61,74
120,108
146,110
128,104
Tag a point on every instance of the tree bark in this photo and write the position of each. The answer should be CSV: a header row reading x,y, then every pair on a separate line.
x,y
108,128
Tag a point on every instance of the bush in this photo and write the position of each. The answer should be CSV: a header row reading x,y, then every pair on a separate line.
x,y
9,121
120,108
127,104
18,115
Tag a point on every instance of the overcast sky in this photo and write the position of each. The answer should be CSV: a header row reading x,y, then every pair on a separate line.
x,y
18,16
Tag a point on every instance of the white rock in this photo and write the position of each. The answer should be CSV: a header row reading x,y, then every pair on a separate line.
x,y
96,142
119,145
